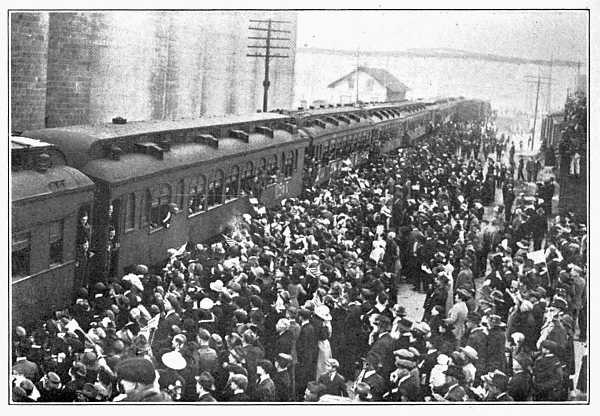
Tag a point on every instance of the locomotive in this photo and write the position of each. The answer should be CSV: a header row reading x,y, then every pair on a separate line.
x,y
91,202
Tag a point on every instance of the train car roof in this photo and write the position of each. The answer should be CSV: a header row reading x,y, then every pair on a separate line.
x,y
104,131
132,166
30,184
316,131
316,112
77,141
26,143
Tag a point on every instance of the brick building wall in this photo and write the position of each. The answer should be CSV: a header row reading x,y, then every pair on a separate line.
x,y
141,65
29,46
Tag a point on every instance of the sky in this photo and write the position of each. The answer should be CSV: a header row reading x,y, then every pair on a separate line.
x,y
526,34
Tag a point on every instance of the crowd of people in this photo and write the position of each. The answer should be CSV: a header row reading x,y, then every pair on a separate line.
x,y
299,301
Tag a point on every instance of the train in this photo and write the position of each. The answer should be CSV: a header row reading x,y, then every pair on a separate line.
x,y
91,202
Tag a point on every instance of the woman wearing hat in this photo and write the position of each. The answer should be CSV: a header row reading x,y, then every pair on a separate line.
x,y
323,331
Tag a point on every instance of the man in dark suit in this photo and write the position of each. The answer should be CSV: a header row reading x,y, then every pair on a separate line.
x,y
307,347
334,383
205,383
282,379
24,367
163,331
384,345
519,385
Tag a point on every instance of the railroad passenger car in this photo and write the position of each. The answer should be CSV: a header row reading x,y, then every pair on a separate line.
x,y
336,134
48,199
394,123
162,184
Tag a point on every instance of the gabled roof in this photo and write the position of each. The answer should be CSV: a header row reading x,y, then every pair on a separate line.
x,y
382,76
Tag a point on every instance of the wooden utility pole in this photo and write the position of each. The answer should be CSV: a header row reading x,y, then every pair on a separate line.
x,y
549,97
538,82
267,47
357,72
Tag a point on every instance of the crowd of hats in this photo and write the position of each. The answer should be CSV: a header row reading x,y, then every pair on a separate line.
x,y
221,319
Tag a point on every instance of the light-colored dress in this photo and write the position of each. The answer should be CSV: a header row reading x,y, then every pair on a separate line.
x,y
324,349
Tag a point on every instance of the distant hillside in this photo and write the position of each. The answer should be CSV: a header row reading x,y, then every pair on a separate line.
x,y
442,53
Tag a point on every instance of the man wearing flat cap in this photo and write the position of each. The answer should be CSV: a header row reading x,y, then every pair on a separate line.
x,y
334,383
496,384
136,377
384,344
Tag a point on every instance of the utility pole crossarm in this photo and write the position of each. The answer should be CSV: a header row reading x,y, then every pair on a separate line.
x,y
262,38
265,56
267,47
268,20
272,47
269,30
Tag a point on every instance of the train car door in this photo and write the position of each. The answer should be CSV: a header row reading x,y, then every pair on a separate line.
x,y
114,236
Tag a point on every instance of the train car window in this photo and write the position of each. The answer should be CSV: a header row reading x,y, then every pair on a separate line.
x,y
21,247
164,199
55,241
215,189
272,169
325,153
295,160
232,184
247,177
147,204
197,195
180,194
159,209
288,167
262,172
130,212
114,215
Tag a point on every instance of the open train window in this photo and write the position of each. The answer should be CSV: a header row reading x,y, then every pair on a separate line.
x,y
273,169
288,167
232,183
55,241
197,198
159,207
248,177
21,247
215,189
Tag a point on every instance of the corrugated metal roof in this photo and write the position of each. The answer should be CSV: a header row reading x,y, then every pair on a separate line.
x,y
27,184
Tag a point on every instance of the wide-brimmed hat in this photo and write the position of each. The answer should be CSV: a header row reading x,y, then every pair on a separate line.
x,y
206,303
421,327
216,286
174,360
404,353
470,353
322,312
496,378
495,321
